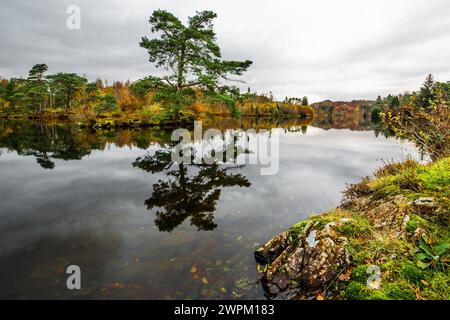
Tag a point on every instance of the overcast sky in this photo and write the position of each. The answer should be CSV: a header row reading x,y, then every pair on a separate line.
x,y
325,49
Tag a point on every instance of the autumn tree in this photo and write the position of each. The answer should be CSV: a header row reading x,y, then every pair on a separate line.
x,y
124,97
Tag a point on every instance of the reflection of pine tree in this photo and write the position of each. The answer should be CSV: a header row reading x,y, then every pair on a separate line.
x,y
185,195
44,161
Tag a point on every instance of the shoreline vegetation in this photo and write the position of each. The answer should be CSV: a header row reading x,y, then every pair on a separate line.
x,y
127,103
389,239
149,113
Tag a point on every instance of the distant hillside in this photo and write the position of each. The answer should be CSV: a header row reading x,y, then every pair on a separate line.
x,y
341,114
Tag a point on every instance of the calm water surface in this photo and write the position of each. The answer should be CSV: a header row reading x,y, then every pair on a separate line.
x,y
73,196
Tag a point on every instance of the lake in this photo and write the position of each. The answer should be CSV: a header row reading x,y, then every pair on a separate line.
x,y
142,230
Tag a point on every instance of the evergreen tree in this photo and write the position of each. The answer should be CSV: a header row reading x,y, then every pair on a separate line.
x,y
191,55
67,85
305,101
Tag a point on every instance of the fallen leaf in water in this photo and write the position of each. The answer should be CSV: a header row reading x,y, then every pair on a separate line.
x,y
172,260
60,271
138,286
223,290
243,283
205,281
118,285
193,269
239,238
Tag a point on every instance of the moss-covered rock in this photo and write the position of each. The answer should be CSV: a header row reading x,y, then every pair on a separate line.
x,y
388,240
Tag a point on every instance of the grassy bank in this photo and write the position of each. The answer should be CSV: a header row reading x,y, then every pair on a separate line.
x,y
389,238
153,114
394,224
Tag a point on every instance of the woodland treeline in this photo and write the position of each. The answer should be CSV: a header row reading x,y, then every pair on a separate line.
x,y
69,95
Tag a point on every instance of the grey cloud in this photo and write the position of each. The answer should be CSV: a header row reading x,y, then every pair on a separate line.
x,y
323,49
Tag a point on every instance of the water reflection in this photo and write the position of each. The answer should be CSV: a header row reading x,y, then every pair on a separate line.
x,y
45,141
91,211
51,141
189,190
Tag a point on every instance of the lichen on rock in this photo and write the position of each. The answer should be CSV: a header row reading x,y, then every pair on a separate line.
x,y
311,265
396,223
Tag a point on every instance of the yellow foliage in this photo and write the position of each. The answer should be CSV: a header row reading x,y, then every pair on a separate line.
x,y
151,110
200,107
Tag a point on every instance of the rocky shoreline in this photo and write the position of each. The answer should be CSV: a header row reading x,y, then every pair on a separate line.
x,y
389,239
